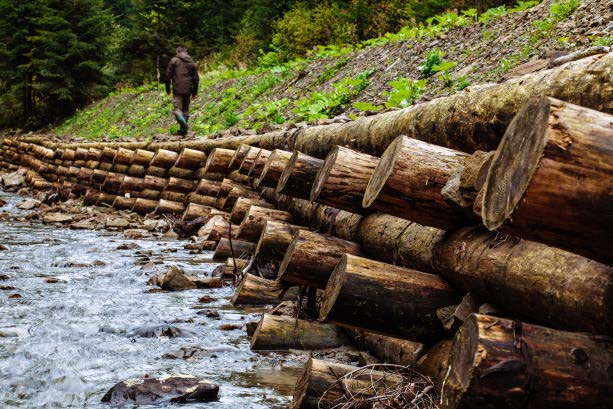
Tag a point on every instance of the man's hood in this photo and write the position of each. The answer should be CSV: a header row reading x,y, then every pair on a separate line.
x,y
185,57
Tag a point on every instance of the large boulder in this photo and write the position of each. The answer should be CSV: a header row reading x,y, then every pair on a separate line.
x,y
50,218
13,179
169,389
176,280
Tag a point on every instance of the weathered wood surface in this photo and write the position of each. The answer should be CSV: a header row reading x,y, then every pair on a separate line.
x,y
273,168
255,219
239,249
299,175
274,240
256,290
551,179
218,161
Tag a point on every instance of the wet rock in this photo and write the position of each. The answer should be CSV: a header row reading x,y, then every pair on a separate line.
x,y
171,235
111,330
195,352
156,225
117,222
205,299
3,247
8,334
2,203
201,245
136,233
155,331
230,327
156,290
176,280
54,280
88,224
209,313
28,204
15,296
169,389
7,288
57,218
128,246
99,263
4,277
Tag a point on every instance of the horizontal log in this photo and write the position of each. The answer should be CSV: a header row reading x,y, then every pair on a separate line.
x,y
194,211
169,207
123,156
179,185
142,157
190,159
238,249
248,160
531,366
144,206
181,173
164,159
203,200
258,163
173,196
273,168
241,208
208,187
393,350
238,156
217,228
551,179
299,175
123,203
281,333
274,240
218,161
255,219
253,290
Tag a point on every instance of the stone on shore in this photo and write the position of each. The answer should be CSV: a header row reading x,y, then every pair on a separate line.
x,y
57,218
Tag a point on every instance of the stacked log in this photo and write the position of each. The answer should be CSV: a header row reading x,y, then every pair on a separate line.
x,y
255,219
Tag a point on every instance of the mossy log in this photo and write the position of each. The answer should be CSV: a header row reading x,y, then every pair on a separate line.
x,y
551,179
499,363
273,168
387,299
299,175
238,249
342,180
255,219
281,333
407,183
311,258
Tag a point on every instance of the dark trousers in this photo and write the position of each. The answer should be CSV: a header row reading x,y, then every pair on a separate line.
x,y
180,103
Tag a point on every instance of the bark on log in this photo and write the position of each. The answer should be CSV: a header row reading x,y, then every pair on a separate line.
x,y
408,180
108,154
226,187
393,350
281,333
106,166
164,159
299,175
85,175
181,173
216,228
311,258
435,362
464,185
155,171
105,199
499,363
91,198
144,206
123,203
248,160
123,156
256,290
342,180
113,182
258,163
190,159
467,121
173,196
318,387
136,170
235,194
154,183
80,154
387,299
274,240
201,199
208,187
273,168
93,154
194,211
142,157
179,185
68,155
551,179
131,184
255,219
237,158
242,249
242,205
169,207
150,194
218,161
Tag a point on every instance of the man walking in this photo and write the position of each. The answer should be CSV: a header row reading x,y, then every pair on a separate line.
x,y
183,74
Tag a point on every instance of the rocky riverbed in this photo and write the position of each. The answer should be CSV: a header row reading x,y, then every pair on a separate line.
x,y
77,316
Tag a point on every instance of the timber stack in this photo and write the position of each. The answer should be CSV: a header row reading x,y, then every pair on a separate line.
x,y
473,247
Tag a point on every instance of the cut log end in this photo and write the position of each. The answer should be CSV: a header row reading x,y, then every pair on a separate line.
x,y
382,172
324,172
515,162
287,171
335,283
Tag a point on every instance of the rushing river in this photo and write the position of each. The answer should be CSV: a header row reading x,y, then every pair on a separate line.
x,y
53,353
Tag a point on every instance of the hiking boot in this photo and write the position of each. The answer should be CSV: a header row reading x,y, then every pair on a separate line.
x,y
182,123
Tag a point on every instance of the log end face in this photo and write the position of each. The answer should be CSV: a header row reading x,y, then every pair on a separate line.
x,y
322,175
333,288
302,386
382,172
287,258
287,172
515,162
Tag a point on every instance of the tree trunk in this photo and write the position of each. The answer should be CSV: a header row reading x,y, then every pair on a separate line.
x,y
190,159
299,175
248,160
342,180
105,199
466,121
80,154
234,267
85,175
179,185
393,350
216,228
239,155
281,333
407,183
258,163
181,173
274,240
107,155
227,185
123,156
91,197
242,249
113,182
435,362
142,157
255,219
93,154
218,161
173,196
256,290
154,183
144,206
201,199
194,211
150,194
131,185
499,363
155,171
208,187
387,299
136,170
464,185
169,207
551,179
123,203
273,168
320,385
164,159
311,258
242,206
235,194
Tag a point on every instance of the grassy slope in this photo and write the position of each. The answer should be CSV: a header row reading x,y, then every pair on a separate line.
x,y
328,83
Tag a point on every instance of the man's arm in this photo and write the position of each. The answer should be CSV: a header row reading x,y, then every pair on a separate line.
x,y
170,69
195,80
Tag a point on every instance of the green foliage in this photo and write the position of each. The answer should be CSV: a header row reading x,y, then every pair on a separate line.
x,y
557,12
431,60
405,92
367,106
319,105
603,41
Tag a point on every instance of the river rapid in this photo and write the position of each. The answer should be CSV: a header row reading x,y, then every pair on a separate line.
x,y
64,344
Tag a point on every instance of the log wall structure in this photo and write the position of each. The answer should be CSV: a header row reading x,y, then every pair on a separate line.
x,y
350,225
